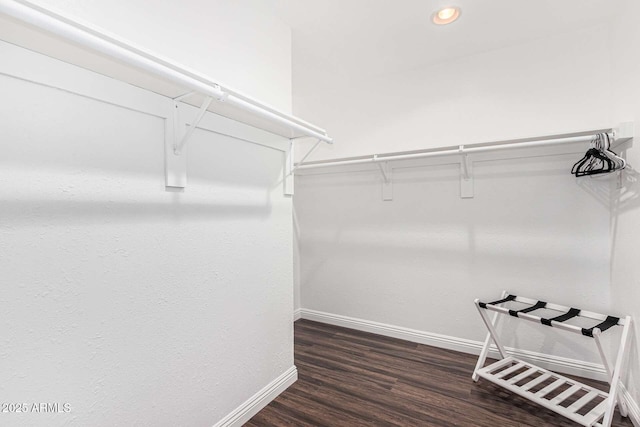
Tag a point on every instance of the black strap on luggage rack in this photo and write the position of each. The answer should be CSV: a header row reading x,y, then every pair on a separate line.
x,y
604,325
568,315
608,323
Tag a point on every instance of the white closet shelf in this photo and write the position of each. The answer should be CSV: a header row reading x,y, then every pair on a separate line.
x,y
78,43
620,135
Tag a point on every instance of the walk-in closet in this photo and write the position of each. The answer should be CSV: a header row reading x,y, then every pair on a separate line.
x,y
320,213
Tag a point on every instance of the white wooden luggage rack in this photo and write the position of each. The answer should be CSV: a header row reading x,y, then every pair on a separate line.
x,y
581,403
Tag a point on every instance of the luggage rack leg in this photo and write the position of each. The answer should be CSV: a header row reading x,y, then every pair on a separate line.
x,y
610,375
614,395
487,344
491,335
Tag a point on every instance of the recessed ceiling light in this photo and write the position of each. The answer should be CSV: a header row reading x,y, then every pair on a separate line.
x,y
446,15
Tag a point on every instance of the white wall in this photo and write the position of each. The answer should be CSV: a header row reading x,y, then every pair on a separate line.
x,y
134,305
554,85
420,261
625,284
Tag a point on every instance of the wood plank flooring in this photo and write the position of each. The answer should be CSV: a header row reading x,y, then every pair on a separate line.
x,y
352,378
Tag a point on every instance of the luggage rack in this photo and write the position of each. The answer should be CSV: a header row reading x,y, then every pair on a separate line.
x,y
580,403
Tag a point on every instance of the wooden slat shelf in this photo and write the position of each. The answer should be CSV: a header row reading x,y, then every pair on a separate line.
x,y
496,374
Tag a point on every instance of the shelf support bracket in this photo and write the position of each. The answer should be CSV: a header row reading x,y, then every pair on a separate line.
x,y
289,167
301,162
176,138
179,146
175,166
184,96
387,182
466,175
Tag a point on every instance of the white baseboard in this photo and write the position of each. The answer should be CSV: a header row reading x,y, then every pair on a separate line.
x,y
297,314
632,406
554,363
248,409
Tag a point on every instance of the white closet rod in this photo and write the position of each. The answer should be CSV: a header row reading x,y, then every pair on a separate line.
x,y
116,49
381,158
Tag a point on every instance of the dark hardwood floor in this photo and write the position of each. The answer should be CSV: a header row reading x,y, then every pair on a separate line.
x,y
352,378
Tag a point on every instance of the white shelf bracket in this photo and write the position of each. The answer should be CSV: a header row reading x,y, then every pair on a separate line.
x,y
179,146
383,172
301,162
289,167
175,167
184,96
466,175
176,140
387,182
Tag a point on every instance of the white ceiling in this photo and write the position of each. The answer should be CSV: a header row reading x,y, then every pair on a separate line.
x,y
377,37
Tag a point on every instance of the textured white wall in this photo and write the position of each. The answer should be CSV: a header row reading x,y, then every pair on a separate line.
x,y
420,260
134,305
625,207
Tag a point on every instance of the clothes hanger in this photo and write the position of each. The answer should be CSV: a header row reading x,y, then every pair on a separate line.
x,y
580,165
598,159
619,162
595,163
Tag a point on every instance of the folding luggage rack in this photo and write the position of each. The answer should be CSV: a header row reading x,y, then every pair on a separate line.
x,y
581,403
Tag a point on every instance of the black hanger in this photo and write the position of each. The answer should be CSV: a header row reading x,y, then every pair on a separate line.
x,y
599,163
593,162
598,159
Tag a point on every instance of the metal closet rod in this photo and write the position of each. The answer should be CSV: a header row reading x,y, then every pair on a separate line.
x,y
123,52
462,149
